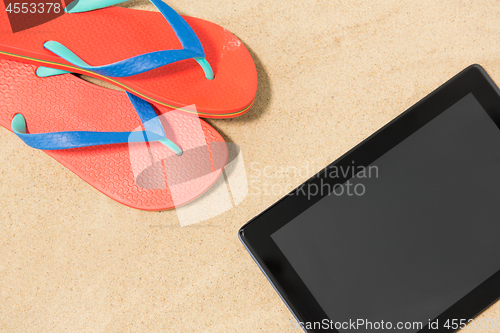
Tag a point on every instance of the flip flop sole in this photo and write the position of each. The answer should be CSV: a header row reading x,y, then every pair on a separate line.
x,y
112,34
136,175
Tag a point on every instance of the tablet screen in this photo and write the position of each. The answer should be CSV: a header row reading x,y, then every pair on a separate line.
x,y
424,233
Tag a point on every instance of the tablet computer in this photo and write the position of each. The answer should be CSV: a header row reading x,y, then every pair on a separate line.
x,y
402,233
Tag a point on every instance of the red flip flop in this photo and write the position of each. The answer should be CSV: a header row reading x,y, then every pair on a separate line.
x,y
155,56
144,175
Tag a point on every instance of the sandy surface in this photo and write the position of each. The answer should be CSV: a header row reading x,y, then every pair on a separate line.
x,y
331,73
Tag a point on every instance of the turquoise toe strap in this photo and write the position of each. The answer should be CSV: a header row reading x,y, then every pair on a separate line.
x,y
46,72
80,6
191,46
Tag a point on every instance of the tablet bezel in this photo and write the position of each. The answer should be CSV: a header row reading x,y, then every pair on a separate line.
x,y
256,234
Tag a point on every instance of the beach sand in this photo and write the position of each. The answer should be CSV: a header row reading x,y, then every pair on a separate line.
x,y
330,74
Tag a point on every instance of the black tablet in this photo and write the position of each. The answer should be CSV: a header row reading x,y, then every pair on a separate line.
x,y
402,233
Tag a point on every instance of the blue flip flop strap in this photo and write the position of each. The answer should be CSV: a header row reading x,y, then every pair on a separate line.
x,y
151,122
191,44
77,139
182,29
148,115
